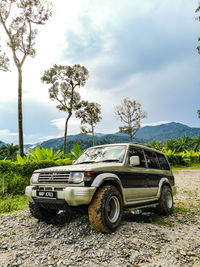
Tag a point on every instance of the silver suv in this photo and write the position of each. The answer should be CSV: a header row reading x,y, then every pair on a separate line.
x,y
106,179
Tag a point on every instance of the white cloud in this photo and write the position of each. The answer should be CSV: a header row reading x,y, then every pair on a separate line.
x,y
155,123
8,137
73,125
159,89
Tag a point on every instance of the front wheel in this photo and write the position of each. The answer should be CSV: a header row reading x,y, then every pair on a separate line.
x,y
166,202
105,210
40,213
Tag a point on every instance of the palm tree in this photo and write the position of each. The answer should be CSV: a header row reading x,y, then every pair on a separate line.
x,y
196,143
183,143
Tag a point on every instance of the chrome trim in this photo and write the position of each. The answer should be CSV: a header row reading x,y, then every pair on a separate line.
x,y
51,177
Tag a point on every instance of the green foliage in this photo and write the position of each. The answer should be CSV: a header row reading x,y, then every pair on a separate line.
x,y
40,154
8,151
186,158
157,144
9,203
17,176
182,144
75,152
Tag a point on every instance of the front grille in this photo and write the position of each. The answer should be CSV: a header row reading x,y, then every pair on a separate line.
x,y
53,177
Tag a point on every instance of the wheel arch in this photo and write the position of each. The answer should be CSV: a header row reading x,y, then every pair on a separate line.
x,y
163,181
109,179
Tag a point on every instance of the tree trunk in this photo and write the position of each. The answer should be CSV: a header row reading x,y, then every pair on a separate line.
x,y
92,135
65,134
131,137
20,118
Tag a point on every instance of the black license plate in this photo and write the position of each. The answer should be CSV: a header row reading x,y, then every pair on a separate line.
x,y
49,194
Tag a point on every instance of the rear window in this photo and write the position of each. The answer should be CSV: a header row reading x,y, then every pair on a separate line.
x,y
163,162
152,160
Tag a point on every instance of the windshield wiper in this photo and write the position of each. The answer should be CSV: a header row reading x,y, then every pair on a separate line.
x,y
85,162
109,160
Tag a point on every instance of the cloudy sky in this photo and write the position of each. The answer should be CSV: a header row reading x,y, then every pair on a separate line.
x,y
141,49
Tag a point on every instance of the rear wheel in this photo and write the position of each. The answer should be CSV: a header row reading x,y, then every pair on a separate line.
x,y
105,210
166,202
41,213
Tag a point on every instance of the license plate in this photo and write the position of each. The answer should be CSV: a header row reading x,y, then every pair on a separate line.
x,y
49,194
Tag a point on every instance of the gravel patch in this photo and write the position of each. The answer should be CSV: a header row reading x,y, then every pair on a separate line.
x,y
141,240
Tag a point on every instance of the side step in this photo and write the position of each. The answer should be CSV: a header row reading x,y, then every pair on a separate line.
x,y
141,207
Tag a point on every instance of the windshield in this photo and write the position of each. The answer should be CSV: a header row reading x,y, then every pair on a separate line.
x,y
102,154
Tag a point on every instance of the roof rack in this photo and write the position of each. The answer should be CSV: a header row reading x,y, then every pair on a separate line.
x,y
147,145
152,147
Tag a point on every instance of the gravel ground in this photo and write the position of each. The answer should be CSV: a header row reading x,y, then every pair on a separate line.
x,y
141,240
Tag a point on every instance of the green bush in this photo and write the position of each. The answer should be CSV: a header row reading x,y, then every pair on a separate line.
x,y
186,158
17,176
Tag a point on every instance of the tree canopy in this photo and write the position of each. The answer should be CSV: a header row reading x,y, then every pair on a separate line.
x,y
63,81
19,19
89,115
130,112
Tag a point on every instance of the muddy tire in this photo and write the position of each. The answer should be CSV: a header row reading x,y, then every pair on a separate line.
x,y
40,213
166,202
105,210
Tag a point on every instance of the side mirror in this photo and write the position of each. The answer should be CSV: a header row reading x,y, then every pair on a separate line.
x,y
134,161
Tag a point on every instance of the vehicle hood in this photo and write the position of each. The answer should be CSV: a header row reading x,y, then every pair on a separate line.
x,y
106,166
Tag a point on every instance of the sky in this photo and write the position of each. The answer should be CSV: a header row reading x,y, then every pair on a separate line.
x,y
141,49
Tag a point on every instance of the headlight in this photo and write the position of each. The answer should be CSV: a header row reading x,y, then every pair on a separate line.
x,y
76,177
34,178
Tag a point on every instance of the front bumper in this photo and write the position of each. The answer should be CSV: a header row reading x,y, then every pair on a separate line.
x,y
74,196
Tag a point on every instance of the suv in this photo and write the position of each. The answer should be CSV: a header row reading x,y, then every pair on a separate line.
x,y
107,179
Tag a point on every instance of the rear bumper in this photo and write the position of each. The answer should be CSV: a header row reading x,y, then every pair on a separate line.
x,y
74,196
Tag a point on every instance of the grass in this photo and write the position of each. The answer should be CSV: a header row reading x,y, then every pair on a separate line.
x,y
10,203
194,166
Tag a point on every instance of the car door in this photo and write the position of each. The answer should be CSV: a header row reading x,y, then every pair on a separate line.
x,y
136,177
154,172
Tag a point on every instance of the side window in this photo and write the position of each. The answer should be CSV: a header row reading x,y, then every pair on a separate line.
x,y
138,152
163,162
152,161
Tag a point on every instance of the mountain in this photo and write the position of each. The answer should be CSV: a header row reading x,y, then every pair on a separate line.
x,y
144,135
165,131
85,141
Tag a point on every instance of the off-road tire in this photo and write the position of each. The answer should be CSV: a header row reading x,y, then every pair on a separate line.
x,y
166,202
40,213
105,210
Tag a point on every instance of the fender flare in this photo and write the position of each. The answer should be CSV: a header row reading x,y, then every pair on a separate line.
x,y
103,177
162,182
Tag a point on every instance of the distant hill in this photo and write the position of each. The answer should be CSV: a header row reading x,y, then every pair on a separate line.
x,y
165,131
144,135
85,141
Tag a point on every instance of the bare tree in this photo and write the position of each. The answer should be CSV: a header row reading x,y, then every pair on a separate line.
x,y
131,113
89,114
18,19
198,112
63,81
